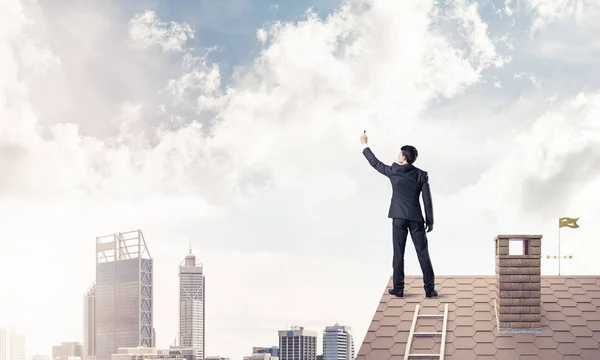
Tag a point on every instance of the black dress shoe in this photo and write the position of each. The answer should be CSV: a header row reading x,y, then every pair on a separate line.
x,y
396,292
431,293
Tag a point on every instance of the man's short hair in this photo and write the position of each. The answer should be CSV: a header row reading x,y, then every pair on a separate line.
x,y
410,153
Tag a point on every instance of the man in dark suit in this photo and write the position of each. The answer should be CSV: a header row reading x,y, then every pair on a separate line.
x,y
408,182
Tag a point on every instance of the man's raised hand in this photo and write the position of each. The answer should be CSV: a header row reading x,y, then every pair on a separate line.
x,y
363,138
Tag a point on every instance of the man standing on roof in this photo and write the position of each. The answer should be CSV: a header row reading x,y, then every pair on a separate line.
x,y
408,182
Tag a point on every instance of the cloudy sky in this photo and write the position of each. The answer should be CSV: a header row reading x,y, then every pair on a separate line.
x,y
235,125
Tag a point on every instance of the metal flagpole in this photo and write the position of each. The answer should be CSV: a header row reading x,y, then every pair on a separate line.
x,y
559,247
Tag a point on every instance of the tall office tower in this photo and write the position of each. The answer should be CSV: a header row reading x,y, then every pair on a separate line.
x,y
12,345
17,346
338,343
67,350
4,348
89,323
297,344
191,305
123,293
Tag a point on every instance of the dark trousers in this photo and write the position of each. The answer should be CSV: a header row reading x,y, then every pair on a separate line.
x,y
419,238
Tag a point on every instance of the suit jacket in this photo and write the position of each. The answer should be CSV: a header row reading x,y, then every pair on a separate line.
x,y
408,182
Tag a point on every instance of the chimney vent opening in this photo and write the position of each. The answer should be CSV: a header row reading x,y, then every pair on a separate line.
x,y
518,247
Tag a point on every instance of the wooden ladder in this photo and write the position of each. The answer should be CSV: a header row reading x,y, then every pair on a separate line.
x,y
412,333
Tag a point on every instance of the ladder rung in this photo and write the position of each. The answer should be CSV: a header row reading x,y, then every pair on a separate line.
x,y
412,333
423,355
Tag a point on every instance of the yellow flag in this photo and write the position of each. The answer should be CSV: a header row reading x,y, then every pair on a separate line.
x,y
566,221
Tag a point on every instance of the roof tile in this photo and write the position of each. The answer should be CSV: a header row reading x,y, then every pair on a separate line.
x,y
485,349
549,355
383,343
589,354
569,349
546,343
587,343
526,348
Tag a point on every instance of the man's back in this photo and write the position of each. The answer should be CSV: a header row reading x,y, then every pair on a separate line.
x,y
408,182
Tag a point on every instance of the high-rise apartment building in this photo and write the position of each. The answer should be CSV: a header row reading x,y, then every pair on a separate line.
x,y
297,344
4,344
338,343
123,294
12,345
89,323
17,347
192,287
67,350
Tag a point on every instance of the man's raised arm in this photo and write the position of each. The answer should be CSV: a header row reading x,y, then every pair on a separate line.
x,y
378,165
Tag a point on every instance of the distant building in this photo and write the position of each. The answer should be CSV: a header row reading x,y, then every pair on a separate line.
x,y
12,345
273,350
40,357
124,277
319,357
216,358
188,353
338,343
261,356
89,323
146,353
297,344
67,351
17,349
4,344
191,305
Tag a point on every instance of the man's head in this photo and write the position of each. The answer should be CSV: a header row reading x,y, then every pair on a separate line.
x,y
408,154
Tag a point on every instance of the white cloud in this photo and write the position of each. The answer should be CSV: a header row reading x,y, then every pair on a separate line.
x,y
548,11
483,50
528,76
507,7
146,30
269,182
200,77
261,35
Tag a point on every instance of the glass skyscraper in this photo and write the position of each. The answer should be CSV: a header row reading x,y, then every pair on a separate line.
x,y
338,343
123,294
192,288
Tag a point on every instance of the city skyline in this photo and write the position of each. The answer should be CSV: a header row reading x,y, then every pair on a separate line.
x,y
113,249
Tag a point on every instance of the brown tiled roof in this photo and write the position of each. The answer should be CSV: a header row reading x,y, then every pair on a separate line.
x,y
570,320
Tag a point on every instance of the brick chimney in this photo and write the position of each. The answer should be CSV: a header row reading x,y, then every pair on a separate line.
x,y
518,293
